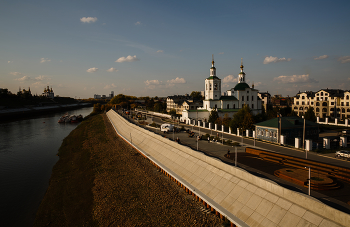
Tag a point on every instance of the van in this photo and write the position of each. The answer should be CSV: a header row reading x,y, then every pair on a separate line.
x,y
166,128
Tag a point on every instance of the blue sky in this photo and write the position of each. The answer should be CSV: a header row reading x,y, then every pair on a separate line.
x,y
161,48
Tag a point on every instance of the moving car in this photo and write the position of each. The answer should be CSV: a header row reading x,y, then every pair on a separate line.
x,y
343,154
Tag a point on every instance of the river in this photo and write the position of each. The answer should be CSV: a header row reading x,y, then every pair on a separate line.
x,y
28,151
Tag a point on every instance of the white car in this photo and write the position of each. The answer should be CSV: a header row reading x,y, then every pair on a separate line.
x,y
343,154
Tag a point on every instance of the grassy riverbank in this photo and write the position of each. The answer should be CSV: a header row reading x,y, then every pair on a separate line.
x,y
100,180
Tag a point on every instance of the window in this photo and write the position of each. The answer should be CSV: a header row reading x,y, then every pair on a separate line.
x,y
247,92
247,98
228,106
347,103
321,93
318,99
312,103
234,106
302,97
317,109
216,106
332,103
215,86
297,103
206,87
325,99
302,103
252,106
242,98
252,98
347,97
209,86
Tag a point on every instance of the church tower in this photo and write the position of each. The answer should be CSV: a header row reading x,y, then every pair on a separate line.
x,y
241,75
212,84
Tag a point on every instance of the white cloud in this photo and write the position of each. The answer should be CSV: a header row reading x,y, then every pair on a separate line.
x,y
321,57
159,51
112,70
41,77
295,79
109,86
127,59
42,60
92,70
104,24
9,61
177,81
271,59
25,78
138,23
221,53
88,19
229,79
153,82
344,59
15,73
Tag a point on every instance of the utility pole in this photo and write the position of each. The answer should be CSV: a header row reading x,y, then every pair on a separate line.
x,y
304,138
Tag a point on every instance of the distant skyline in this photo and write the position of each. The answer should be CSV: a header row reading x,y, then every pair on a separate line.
x,y
162,48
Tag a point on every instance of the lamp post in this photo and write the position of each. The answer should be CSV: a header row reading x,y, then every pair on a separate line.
x,y
304,139
236,156
309,179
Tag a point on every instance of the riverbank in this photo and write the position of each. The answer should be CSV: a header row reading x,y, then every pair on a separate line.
x,y
28,112
100,180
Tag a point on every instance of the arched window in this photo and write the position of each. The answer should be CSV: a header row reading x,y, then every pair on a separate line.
x,y
324,110
317,109
301,108
209,86
343,110
317,104
324,104
347,97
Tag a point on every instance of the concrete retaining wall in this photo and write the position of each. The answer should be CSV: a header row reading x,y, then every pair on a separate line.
x,y
246,200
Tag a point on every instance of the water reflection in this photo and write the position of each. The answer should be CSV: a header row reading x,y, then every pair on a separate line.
x,y
28,151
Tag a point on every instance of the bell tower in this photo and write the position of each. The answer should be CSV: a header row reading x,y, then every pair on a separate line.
x,y
241,75
212,84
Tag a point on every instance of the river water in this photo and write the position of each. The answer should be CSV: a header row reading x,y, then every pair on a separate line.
x,y
28,151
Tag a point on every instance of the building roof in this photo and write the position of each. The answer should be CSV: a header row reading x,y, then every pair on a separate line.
x,y
287,122
241,87
213,77
228,98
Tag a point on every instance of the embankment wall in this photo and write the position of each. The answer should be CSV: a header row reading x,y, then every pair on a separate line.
x,y
246,200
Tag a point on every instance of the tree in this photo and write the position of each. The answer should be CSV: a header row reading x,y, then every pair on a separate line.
x,y
196,95
226,121
172,112
310,114
243,119
213,116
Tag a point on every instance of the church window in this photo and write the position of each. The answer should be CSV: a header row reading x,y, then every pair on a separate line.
x,y
216,106
252,106
209,86
247,98
206,106
252,98
347,97
242,98
228,106
247,92
215,86
206,87
234,106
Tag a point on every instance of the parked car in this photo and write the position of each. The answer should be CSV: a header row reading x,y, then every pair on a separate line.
x,y
343,154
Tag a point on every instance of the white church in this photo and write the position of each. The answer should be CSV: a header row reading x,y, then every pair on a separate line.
x,y
228,102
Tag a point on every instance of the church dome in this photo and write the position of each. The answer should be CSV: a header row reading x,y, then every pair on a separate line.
x,y
241,87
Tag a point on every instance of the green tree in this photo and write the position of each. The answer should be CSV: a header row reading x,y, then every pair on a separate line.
x,y
172,112
243,119
310,114
196,95
213,116
226,121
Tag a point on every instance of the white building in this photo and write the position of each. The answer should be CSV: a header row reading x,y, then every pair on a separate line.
x,y
229,103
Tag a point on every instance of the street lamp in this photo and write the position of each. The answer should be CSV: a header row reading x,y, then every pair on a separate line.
x,y
309,178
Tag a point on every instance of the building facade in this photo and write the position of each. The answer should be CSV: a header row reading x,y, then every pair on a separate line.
x,y
175,102
229,103
48,93
334,103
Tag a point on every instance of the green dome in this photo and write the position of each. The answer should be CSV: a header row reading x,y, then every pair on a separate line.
x,y
241,87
